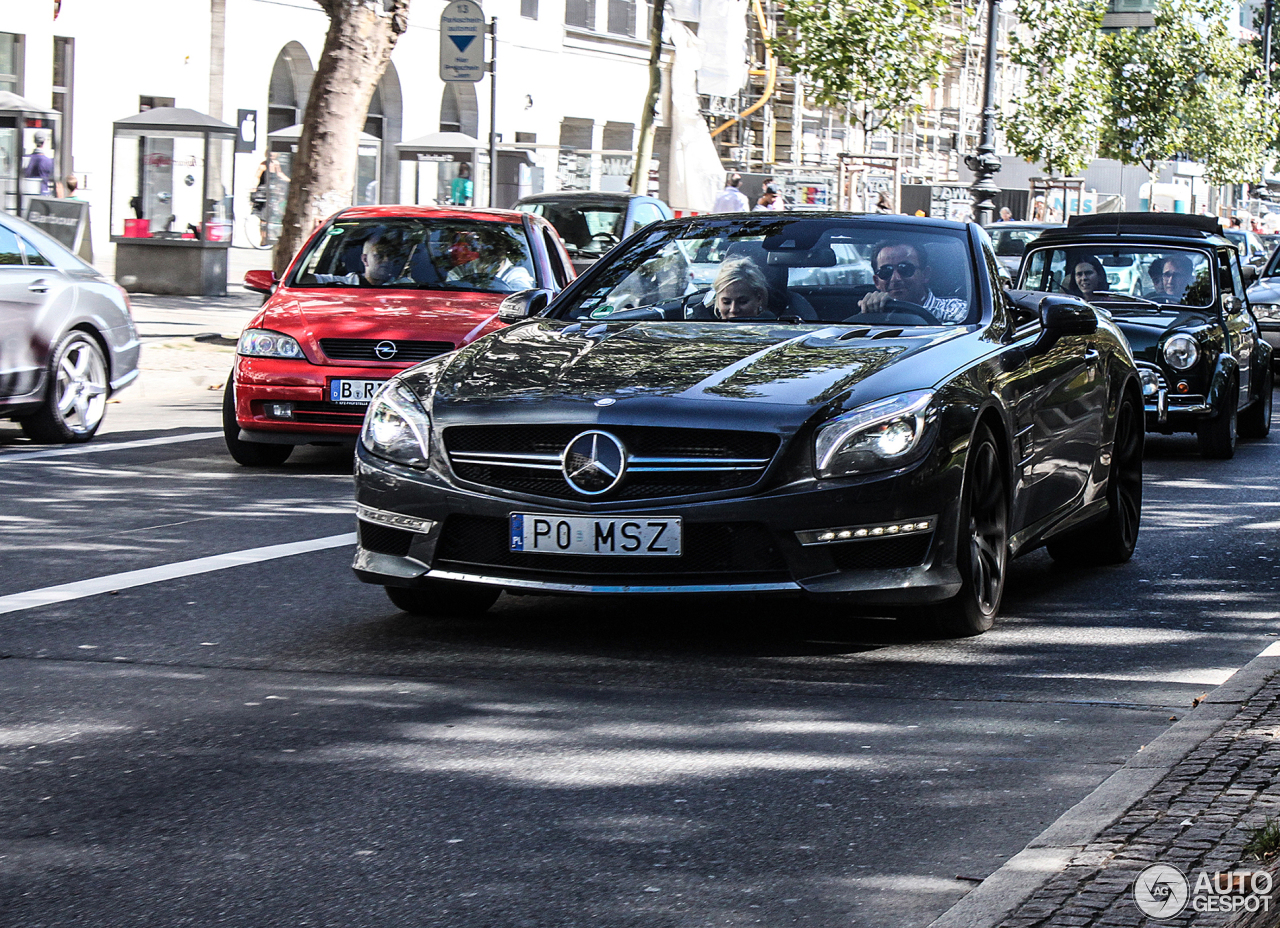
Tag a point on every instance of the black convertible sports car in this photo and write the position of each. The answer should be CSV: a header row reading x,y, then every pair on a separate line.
x,y
853,411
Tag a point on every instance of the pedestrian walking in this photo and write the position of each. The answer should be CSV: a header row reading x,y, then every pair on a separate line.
x,y
731,199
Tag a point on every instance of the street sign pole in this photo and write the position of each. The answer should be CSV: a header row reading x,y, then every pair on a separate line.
x,y
493,114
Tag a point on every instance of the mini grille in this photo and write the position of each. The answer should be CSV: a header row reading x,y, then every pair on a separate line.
x,y
364,349
711,550
662,462
384,539
328,414
882,553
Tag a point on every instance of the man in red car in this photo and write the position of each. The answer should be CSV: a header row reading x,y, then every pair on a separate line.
x,y
384,258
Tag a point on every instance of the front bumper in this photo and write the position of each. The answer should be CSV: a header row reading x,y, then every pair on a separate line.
x,y
1171,412
264,383
416,527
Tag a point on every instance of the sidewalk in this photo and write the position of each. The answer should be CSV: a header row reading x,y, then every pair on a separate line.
x,y
1190,799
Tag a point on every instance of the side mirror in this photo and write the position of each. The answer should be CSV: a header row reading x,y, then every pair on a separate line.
x,y
1249,273
523,304
1061,316
260,281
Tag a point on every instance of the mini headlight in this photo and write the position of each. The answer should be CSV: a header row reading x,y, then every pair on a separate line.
x,y
1267,312
263,343
880,435
396,427
1181,352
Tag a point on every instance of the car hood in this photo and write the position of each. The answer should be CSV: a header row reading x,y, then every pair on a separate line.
x,y
397,314
548,361
1145,331
1266,290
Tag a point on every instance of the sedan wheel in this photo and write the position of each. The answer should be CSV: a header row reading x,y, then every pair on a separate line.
x,y
77,397
1112,540
983,546
247,453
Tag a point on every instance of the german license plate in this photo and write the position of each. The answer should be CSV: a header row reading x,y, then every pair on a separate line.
x,y
543,533
353,392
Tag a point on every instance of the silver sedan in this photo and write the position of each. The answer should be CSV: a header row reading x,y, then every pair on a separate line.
x,y
67,340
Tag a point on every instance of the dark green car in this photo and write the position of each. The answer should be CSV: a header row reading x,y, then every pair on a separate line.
x,y
1175,286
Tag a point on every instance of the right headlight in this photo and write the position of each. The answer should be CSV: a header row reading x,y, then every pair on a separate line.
x,y
264,343
885,434
396,427
1181,352
1267,312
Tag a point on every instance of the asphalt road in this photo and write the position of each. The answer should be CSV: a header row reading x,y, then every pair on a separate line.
x,y
262,740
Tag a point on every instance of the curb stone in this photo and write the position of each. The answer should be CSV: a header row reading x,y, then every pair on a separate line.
x,y
1002,894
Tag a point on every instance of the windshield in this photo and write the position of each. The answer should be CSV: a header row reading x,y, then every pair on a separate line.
x,y
1130,278
805,270
419,254
585,229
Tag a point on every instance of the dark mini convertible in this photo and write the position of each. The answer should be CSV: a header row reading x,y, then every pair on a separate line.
x,y
853,410
1204,364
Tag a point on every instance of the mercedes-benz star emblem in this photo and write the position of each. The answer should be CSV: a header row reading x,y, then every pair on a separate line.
x,y
385,350
594,462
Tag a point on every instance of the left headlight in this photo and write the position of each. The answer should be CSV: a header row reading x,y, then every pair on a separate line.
x,y
396,427
264,343
1181,352
884,434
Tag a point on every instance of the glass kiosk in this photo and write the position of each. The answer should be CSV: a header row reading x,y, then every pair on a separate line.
x,y
284,144
172,173
27,133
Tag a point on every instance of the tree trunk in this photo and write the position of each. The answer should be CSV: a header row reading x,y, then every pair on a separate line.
x,y
644,145
357,48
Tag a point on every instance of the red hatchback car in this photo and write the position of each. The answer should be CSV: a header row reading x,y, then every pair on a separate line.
x,y
376,290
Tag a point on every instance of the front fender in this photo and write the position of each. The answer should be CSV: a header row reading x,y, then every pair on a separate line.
x,y
1226,373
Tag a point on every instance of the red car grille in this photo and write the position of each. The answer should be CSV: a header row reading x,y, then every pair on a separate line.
x,y
365,349
329,414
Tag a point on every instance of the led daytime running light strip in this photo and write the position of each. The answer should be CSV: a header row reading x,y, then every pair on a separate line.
x,y
393,519
864,532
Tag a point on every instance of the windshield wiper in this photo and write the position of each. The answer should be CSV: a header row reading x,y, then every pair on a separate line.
x,y
1128,298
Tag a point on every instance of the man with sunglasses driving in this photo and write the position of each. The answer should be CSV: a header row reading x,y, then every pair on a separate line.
x,y
902,273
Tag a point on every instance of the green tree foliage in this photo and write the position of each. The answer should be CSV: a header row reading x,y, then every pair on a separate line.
x,y
1058,121
1183,88
872,57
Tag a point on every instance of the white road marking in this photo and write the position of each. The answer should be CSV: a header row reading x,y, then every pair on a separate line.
x,y
16,602
1271,650
104,446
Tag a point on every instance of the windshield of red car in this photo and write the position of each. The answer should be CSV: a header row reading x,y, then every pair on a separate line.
x,y
419,254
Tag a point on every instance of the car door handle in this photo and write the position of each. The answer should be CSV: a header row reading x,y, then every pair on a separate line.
x,y
39,286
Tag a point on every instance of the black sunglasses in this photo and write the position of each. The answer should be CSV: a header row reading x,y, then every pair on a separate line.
x,y
906,270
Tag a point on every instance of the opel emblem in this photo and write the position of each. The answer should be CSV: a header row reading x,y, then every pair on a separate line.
x,y
594,462
385,350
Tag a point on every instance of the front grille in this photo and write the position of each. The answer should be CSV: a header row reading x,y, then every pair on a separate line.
x,y
717,552
882,553
383,539
662,462
328,414
363,349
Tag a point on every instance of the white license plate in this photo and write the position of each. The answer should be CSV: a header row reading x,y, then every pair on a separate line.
x,y
355,392
543,533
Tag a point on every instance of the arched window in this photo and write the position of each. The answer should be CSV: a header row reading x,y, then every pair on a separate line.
x,y
458,109
290,85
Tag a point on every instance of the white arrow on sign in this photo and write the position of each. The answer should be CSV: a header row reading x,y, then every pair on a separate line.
x,y
462,29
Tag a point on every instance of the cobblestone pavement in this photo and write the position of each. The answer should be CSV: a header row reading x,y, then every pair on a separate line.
x,y
1197,817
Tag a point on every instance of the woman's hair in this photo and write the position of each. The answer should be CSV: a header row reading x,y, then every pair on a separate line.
x,y
1092,261
742,271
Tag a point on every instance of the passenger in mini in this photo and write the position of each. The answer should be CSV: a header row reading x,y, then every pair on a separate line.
x,y
902,273
1171,276
1087,277
741,290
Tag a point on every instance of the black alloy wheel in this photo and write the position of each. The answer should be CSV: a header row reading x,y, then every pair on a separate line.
x,y
1255,422
982,554
442,598
1112,539
1217,437
247,453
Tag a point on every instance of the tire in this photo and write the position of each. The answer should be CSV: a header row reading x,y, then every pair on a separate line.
x,y
76,399
1255,422
1112,540
247,453
1218,436
982,545
442,598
